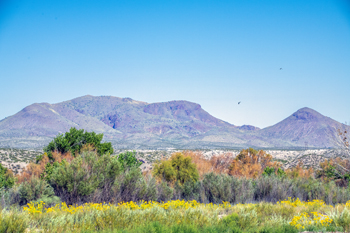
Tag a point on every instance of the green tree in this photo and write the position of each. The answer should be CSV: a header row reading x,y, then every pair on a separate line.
x,y
178,168
128,160
74,140
271,171
7,180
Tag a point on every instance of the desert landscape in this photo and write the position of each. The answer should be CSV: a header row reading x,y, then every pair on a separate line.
x,y
186,116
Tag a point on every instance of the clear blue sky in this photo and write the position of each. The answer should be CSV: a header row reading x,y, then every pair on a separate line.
x,y
214,53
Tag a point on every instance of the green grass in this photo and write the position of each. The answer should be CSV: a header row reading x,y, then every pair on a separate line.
x,y
261,217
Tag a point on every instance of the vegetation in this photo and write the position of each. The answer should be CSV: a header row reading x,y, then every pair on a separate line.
x,y
291,215
74,140
178,168
6,177
343,142
68,186
128,160
85,175
251,163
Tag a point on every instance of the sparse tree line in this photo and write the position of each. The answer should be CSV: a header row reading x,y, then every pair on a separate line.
x,y
76,167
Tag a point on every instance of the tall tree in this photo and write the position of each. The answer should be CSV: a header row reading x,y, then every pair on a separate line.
x,y
74,140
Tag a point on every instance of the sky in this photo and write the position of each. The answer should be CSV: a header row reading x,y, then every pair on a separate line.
x,y
214,53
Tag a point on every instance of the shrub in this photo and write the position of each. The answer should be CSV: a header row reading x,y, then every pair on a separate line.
x,y
190,190
74,182
221,187
251,163
300,172
178,168
11,222
131,185
33,169
36,190
7,179
335,169
164,192
217,164
128,160
43,166
271,171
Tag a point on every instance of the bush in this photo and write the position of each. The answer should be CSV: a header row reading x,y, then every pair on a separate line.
x,y
133,186
11,222
36,190
251,163
190,190
7,179
221,187
128,160
178,168
88,173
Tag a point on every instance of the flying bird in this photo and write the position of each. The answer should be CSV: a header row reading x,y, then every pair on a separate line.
x,y
239,102
280,68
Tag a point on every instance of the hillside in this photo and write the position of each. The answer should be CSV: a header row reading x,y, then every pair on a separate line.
x,y
128,123
123,121
305,127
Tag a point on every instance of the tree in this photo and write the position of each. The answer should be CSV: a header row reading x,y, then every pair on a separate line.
x,y
272,171
178,168
43,166
74,140
7,179
343,142
217,164
300,171
336,169
128,160
251,163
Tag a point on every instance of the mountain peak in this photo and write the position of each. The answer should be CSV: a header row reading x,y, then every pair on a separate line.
x,y
304,126
306,114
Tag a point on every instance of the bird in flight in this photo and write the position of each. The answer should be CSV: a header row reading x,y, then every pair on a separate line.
x,y
280,68
239,102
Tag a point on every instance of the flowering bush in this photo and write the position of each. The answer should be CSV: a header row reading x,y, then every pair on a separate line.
x,y
38,208
316,219
298,215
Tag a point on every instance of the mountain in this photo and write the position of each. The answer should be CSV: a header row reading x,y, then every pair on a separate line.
x,y
122,120
132,124
305,127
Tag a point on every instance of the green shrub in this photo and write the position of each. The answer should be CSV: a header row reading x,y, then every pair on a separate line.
x,y
128,160
190,190
164,192
12,222
36,190
132,186
7,180
88,173
178,168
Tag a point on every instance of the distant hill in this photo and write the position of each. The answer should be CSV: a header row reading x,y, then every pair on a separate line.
x,y
122,120
134,124
305,127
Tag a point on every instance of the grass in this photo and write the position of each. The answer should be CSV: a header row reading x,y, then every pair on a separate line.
x,y
178,216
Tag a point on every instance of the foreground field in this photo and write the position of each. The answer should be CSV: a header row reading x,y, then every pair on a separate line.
x,y
178,216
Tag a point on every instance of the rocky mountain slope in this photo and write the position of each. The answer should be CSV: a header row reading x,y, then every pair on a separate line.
x,y
180,124
305,127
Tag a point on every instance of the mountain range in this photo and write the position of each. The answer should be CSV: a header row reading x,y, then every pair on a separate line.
x,y
132,124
